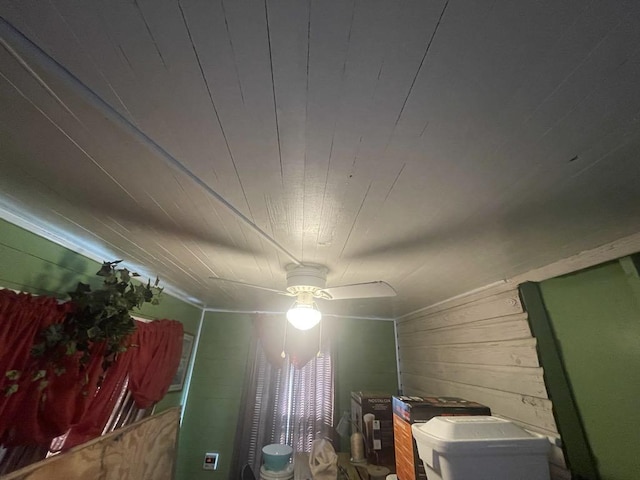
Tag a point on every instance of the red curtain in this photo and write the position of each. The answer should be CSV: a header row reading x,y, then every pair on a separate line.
x,y
156,361
150,363
102,404
40,418
29,416
22,316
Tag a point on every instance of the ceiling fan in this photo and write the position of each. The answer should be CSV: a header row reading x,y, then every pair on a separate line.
x,y
307,282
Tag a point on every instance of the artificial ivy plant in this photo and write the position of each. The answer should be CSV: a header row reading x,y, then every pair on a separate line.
x,y
99,315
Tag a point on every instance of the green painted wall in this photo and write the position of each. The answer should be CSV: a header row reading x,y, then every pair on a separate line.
x,y
596,318
365,350
213,405
365,361
34,264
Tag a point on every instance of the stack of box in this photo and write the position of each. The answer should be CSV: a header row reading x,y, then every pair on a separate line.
x,y
408,410
373,416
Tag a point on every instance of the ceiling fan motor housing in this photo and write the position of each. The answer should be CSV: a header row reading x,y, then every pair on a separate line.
x,y
306,278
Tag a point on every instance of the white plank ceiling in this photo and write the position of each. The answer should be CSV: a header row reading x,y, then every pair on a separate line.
x,y
436,145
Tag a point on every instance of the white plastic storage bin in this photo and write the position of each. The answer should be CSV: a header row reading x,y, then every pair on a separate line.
x,y
480,448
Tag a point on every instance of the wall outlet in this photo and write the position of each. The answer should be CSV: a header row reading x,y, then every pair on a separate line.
x,y
210,461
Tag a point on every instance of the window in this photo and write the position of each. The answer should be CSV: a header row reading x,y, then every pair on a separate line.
x,y
289,400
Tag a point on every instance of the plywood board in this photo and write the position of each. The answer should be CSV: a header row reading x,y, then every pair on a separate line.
x,y
145,450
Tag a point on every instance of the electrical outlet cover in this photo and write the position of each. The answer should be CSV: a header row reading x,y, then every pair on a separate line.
x,y
210,461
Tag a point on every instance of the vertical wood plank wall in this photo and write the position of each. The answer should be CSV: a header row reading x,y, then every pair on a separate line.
x,y
479,347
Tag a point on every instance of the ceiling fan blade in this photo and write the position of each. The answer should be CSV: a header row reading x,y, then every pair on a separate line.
x,y
361,290
251,285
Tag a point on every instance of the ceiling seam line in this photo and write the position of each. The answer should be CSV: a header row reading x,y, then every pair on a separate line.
x,y
306,129
215,109
426,52
335,121
355,220
273,90
233,51
9,31
148,28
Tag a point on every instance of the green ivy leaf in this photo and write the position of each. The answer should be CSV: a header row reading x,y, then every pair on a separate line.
x,y
71,348
107,269
13,374
10,390
94,332
38,375
125,275
43,384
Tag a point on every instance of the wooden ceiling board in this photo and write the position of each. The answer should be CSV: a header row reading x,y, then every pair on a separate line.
x,y
66,153
47,25
120,204
345,185
329,44
243,134
253,134
439,146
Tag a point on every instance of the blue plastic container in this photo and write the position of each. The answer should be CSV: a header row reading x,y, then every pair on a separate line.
x,y
276,457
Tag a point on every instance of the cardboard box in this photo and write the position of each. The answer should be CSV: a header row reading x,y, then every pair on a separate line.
x,y
378,430
409,410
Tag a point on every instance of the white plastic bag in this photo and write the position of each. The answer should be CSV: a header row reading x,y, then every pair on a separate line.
x,y
323,460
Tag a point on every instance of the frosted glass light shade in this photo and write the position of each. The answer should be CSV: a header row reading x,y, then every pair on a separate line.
x,y
303,317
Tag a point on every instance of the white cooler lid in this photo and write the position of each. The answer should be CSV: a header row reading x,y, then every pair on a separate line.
x,y
480,434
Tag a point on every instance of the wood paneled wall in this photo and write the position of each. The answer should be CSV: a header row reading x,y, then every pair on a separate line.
x,y
479,347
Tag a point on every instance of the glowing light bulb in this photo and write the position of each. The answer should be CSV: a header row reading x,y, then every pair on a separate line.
x,y
304,317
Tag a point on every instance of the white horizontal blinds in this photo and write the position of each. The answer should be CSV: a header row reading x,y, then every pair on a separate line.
x,y
293,405
325,394
304,403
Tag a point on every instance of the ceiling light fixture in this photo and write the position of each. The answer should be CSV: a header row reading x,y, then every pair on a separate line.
x,y
304,313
